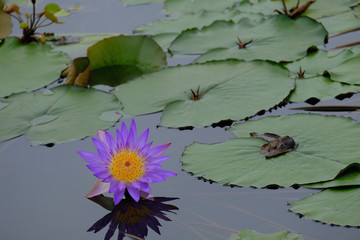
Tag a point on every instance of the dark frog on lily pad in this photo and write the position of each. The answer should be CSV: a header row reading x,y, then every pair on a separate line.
x,y
276,145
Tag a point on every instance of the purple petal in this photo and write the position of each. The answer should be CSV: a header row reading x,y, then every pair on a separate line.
x,y
159,159
111,142
102,174
131,140
152,166
90,157
118,195
133,129
153,178
145,187
104,156
146,148
122,185
135,184
158,150
143,139
98,188
113,187
97,167
134,193
102,137
164,173
124,131
100,145
119,139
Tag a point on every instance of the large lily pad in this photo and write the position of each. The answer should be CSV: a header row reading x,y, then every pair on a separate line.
x,y
117,59
319,87
253,235
64,113
332,206
327,144
28,67
276,38
227,90
197,5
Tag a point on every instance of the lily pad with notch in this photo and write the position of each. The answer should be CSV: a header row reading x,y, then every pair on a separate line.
x,y
184,6
276,38
226,90
28,67
62,114
317,158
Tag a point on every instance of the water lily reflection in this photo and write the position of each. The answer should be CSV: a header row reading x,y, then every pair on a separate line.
x,y
132,218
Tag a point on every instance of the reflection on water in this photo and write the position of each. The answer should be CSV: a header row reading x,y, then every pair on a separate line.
x,y
132,218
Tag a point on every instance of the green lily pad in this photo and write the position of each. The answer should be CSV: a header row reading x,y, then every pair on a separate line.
x,y
266,7
184,6
28,67
79,49
343,22
165,31
327,144
349,177
249,234
319,87
5,22
348,71
316,63
67,113
136,2
118,59
322,8
332,206
227,90
276,38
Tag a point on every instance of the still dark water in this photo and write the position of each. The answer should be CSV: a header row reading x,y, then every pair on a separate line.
x,y
43,189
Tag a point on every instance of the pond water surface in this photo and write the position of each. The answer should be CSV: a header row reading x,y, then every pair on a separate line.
x,y
43,188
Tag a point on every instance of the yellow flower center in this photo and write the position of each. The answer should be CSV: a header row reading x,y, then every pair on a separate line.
x,y
127,166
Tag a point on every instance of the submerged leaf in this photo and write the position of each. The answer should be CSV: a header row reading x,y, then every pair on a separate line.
x,y
227,90
320,155
28,67
249,234
69,113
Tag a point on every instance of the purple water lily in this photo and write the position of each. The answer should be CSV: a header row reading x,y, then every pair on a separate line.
x,y
127,163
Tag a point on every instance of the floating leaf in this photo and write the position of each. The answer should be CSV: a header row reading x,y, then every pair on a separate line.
x,y
118,59
5,22
332,206
249,234
69,113
276,38
172,6
136,2
227,89
349,177
169,28
79,49
28,67
327,144
343,22
316,63
319,87
348,71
